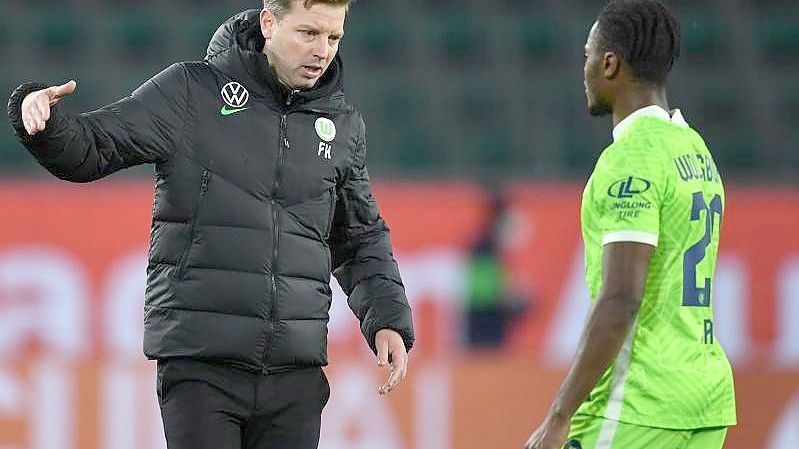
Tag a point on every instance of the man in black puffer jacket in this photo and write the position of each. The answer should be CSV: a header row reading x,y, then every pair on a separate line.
x,y
261,192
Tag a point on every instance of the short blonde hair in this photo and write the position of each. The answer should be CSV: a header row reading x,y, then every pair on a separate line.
x,y
281,7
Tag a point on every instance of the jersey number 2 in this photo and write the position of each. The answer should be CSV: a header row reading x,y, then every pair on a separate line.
x,y
693,296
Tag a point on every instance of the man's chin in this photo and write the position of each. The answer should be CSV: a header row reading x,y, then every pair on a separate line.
x,y
598,110
305,83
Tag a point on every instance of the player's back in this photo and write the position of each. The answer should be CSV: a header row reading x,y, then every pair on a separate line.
x,y
658,184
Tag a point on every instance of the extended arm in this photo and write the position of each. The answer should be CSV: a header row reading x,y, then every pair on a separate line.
x,y
141,128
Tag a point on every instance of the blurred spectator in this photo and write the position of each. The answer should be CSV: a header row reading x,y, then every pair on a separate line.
x,y
491,304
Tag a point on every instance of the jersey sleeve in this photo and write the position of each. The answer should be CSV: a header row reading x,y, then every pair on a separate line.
x,y
630,188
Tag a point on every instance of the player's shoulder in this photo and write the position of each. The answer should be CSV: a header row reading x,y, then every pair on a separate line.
x,y
646,141
634,154
632,148
647,133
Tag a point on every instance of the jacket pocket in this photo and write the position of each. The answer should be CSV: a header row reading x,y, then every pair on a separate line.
x,y
198,203
331,213
160,382
324,396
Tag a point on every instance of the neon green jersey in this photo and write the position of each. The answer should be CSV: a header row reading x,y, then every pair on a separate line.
x,y
658,184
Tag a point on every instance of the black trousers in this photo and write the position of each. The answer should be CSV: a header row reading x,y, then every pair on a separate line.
x,y
216,406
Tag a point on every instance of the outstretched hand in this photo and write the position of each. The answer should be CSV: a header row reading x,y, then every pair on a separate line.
x,y
36,106
391,352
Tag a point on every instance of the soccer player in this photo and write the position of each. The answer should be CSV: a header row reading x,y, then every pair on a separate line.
x,y
648,372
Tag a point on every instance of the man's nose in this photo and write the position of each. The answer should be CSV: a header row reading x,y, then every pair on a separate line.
x,y
321,48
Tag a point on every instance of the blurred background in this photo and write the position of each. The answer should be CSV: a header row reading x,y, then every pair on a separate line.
x,y
480,144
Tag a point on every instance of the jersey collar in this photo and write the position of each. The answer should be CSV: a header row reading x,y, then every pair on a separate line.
x,y
649,111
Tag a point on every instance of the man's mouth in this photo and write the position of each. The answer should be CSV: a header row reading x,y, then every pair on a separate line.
x,y
312,70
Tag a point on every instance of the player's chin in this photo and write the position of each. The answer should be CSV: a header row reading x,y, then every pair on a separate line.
x,y
597,109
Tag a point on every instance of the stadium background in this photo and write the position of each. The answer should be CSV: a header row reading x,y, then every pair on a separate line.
x,y
479,146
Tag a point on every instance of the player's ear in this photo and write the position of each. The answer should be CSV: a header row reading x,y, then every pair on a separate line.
x,y
611,65
268,21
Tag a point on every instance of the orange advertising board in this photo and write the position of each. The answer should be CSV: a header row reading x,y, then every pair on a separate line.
x,y
72,375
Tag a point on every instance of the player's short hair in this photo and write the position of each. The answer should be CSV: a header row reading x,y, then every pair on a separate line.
x,y
281,7
645,33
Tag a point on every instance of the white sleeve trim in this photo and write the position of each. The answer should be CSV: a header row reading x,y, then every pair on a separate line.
x,y
630,236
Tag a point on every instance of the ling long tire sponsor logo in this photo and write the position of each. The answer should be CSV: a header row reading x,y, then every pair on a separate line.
x,y
629,187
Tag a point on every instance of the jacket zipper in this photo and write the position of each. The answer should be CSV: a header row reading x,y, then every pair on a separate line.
x,y
193,224
284,146
271,317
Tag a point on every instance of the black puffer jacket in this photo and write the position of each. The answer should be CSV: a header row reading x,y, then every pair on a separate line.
x,y
259,195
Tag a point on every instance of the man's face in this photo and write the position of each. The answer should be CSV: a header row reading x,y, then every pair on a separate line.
x,y
593,71
301,45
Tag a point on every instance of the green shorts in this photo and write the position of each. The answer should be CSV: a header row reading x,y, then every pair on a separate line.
x,y
593,432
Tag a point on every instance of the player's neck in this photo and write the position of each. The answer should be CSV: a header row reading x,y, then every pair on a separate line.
x,y
637,97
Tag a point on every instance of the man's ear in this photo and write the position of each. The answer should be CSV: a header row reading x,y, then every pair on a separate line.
x,y
268,21
611,65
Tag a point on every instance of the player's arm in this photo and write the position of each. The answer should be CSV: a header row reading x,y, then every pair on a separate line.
x,y
141,128
624,271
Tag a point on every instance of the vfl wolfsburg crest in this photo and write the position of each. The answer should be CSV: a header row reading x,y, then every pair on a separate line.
x,y
325,128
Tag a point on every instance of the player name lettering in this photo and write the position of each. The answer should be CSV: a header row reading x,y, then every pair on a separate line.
x,y
696,166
